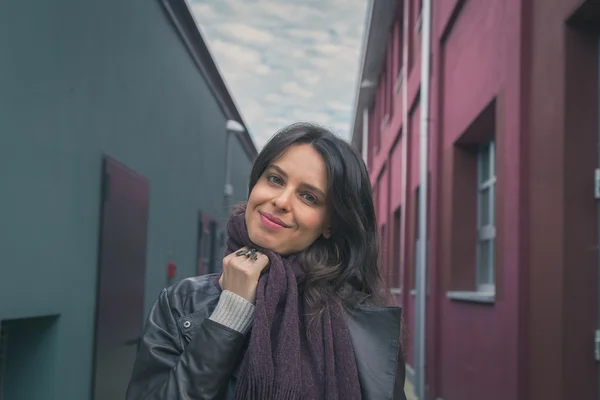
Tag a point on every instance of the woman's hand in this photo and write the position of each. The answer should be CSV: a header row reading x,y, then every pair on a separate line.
x,y
241,273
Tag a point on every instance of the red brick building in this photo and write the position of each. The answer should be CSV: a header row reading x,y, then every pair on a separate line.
x,y
512,218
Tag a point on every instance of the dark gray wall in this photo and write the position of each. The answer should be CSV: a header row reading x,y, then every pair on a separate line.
x,y
79,79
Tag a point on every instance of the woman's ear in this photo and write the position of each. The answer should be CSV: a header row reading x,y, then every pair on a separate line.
x,y
327,232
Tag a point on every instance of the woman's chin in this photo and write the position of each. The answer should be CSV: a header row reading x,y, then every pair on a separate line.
x,y
261,241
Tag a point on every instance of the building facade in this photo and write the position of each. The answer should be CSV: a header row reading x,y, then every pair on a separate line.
x,y
113,154
511,264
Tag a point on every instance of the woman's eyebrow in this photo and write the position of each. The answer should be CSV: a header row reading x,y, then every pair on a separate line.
x,y
306,185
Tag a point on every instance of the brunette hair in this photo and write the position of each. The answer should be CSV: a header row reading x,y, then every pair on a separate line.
x,y
345,266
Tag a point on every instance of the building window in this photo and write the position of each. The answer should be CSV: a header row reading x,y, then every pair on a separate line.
x,y
486,225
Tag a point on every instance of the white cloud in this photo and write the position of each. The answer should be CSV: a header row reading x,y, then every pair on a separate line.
x,y
246,33
309,34
328,48
203,11
311,116
307,76
285,60
274,97
262,69
280,122
289,12
339,106
298,53
294,88
234,52
340,128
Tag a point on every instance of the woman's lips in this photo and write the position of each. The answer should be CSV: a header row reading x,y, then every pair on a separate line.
x,y
271,221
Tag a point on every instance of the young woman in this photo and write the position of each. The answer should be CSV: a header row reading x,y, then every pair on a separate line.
x,y
296,312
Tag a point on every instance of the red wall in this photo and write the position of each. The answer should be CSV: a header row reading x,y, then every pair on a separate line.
x,y
478,342
562,140
535,64
471,348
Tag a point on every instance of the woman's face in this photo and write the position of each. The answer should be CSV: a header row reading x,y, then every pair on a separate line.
x,y
287,208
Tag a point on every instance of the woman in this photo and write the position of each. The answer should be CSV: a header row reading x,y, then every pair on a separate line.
x,y
294,313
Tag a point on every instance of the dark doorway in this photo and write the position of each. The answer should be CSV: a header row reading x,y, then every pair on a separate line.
x,y
212,259
202,245
28,353
206,245
121,276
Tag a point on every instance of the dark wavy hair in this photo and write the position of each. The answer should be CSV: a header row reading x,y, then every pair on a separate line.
x,y
345,266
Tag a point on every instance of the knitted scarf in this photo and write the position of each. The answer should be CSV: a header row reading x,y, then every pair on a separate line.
x,y
283,362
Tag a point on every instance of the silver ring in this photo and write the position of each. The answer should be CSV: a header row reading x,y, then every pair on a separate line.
x,y
252,254
248,253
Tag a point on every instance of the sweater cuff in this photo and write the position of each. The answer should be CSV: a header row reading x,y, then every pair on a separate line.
x,y
234,312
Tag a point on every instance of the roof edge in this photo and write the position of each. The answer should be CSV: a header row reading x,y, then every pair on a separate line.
x,y
380,17
361,71
183,19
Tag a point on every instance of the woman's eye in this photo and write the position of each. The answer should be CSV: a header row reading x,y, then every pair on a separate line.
x,y
310,198
275,179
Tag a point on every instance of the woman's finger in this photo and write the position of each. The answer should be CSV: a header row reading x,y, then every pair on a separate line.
x,y
260,263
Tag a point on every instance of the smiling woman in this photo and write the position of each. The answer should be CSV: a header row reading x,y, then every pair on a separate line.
x,y
287,206
296,312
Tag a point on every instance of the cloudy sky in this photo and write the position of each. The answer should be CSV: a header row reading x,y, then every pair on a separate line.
x,y
286,60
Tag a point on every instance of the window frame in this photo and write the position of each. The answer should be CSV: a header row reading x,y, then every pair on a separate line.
x,y
486,232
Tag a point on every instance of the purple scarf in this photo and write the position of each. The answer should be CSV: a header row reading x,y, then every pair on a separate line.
x,y
283,362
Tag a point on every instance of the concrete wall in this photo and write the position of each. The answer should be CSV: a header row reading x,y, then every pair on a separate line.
x,y
81,79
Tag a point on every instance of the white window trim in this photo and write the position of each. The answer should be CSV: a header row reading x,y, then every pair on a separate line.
x,y
487,232
399,80
384,123
472,297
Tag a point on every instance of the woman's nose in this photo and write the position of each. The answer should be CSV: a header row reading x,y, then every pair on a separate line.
x,y
283,200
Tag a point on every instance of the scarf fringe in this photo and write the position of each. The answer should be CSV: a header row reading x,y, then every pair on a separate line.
x,y
253,388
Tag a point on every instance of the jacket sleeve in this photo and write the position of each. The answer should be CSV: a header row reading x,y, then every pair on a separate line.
x,y
167,369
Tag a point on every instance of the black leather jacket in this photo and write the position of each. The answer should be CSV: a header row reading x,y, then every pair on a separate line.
x,y
183,355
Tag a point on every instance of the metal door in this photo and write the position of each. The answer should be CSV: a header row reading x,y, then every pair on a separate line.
x,y
121,274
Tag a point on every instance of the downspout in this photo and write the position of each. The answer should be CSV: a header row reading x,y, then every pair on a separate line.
x,y
404,162
421,284
365,135
597,332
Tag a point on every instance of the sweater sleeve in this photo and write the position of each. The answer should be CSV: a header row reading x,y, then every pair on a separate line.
x,y
234,312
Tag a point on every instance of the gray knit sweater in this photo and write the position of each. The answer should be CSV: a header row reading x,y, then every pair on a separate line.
x,y
234,312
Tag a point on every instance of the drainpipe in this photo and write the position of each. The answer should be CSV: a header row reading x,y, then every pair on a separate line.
x,y
232,128
421,284
597,333
404,163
